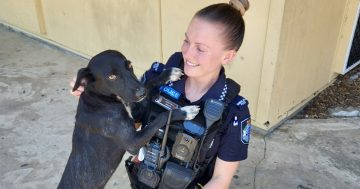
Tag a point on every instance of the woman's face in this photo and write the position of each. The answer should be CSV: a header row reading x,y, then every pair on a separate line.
x,y
204,50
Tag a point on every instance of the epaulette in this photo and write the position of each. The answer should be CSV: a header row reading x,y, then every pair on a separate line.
x,y
240,101
233,89
157,67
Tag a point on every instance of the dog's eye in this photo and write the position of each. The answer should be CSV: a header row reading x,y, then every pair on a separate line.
x,y
112,77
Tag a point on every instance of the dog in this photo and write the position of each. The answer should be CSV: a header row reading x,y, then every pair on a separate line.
x,y
104,125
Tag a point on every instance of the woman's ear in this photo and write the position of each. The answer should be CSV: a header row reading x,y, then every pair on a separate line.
x,y
229,55
83,74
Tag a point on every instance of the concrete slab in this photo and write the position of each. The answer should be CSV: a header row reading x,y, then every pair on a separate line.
x,y
37,120
304,154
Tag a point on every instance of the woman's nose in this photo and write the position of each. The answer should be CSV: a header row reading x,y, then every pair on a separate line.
x,y
187,51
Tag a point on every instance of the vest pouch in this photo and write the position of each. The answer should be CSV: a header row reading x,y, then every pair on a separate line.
x,y
176,176
148,176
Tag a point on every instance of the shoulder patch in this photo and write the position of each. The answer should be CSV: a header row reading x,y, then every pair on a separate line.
x,y
245,130
157,67
240,101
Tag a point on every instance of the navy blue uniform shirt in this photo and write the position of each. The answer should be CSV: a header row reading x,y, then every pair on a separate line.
x,y
231,142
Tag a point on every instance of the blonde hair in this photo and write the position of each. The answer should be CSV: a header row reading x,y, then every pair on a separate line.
x,y
240,5
229,17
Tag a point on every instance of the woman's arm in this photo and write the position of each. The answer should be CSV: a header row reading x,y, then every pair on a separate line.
x,y
223,174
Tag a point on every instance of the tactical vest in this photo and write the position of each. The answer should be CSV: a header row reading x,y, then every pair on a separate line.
x,y
187,142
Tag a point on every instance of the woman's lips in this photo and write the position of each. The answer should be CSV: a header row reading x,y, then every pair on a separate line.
x,y
191,64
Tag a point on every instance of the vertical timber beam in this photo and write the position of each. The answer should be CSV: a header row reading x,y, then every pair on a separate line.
x,y
269,64
40,16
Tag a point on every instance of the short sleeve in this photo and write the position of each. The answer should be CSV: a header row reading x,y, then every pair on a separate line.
x,y
155,69
234,142
175,60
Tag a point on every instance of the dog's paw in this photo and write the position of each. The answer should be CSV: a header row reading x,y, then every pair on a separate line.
x,y
191,111
175,74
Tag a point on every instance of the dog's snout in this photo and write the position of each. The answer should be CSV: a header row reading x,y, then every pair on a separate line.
x,y
140,92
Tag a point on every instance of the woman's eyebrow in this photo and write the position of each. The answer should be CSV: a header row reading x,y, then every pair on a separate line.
x,y
197,43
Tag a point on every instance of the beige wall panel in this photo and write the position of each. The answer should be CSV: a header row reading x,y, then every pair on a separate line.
x,y
21,14
175,17
90,26
246,68
308,40
345,37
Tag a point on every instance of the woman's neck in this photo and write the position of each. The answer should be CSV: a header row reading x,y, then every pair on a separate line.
x,y
195,88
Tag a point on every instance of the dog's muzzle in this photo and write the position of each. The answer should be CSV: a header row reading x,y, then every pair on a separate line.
x,y
140,94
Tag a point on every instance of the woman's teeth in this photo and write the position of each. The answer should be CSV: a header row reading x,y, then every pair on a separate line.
x,y
191,64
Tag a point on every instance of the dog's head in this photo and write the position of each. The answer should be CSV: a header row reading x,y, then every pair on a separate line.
x,y
109,73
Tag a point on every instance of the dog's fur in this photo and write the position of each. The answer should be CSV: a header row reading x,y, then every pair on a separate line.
x,y
104,128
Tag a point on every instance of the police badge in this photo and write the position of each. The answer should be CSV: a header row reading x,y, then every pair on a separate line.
x,y
245,130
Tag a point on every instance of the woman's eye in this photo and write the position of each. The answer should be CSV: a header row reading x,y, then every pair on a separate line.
x,y
200,50
112,77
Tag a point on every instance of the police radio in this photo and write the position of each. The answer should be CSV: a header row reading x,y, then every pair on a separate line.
x,y
213,110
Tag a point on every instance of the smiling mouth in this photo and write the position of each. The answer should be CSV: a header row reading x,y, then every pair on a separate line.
x,y
191,64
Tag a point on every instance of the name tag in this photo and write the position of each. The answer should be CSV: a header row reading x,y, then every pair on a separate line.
x,y
165,103
171,92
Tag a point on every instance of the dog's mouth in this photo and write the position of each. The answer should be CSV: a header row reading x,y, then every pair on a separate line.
x,y
138,99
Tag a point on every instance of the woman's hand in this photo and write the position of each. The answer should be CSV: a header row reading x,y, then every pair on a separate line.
x,y
79,90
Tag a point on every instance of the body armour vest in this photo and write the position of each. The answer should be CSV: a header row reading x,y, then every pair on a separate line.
x,y
182,158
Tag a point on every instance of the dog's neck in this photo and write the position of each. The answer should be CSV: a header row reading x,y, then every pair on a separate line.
x,y
127,106
100,99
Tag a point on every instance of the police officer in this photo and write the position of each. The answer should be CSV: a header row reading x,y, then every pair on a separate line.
x,y
212,40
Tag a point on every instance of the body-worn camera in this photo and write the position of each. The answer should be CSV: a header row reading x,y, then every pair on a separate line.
x,y
184,147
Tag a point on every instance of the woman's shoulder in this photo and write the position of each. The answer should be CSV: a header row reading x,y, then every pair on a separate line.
x,y
175,60
238,107
240,102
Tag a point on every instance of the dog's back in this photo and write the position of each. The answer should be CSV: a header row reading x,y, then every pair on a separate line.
x,y
95,155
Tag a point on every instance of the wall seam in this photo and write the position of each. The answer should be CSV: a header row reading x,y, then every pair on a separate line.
x,y
161,33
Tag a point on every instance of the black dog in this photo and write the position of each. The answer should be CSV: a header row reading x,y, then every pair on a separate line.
x,y
104,127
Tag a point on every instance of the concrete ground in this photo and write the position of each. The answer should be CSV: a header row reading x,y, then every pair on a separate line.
x,y
37,119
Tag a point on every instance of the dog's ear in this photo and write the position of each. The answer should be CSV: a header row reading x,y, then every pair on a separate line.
x,y
83,74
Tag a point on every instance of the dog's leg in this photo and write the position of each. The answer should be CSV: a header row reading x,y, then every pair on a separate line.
x,y
139,108
172,74
191,112
140,138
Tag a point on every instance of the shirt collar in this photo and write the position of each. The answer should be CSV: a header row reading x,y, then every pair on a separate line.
x,y
217,90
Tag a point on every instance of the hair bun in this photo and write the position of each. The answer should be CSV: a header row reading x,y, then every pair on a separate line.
x,y
241,5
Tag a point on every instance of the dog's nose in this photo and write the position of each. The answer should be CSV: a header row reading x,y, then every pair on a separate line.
x,y
140,92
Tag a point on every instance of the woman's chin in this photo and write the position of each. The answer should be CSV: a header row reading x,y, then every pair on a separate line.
x,y
190,72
